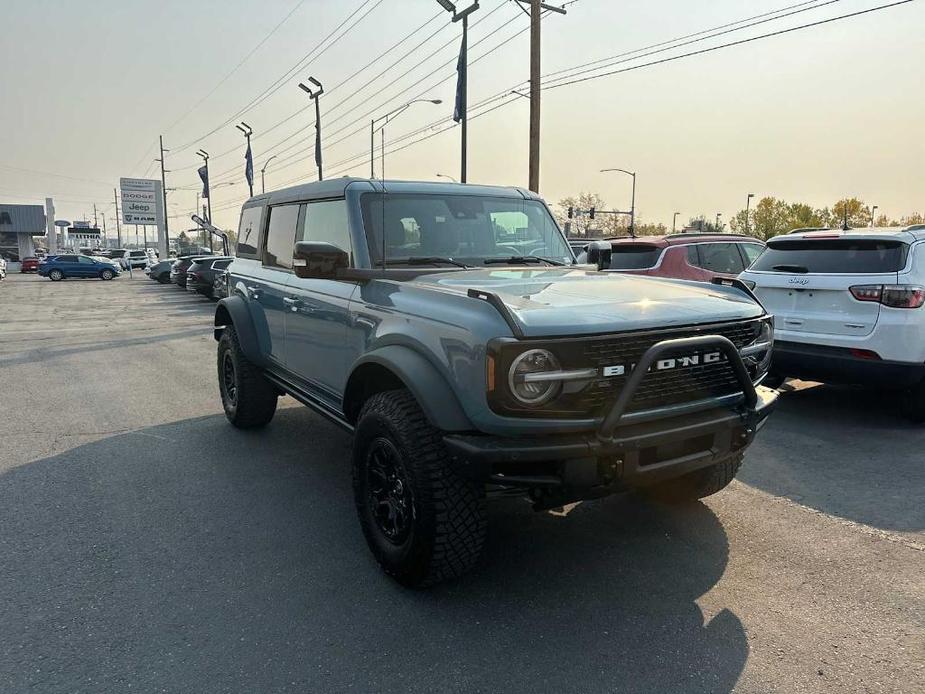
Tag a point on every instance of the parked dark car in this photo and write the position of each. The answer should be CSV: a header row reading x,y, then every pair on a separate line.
x,y
200,277
60,267
30,264
160,271
178,272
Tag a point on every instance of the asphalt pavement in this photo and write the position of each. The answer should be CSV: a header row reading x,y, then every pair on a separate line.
x,y
147,546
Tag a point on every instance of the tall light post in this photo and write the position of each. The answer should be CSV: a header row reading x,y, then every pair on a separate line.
x,y
748,203
674,222
873,214
313,95
385,119
462,84
633,201
440,175
718,215
263,187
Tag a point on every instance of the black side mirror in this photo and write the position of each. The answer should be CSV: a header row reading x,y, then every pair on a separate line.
x,y
318,260
599,253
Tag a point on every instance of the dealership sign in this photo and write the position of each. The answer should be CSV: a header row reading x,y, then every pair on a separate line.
x,y
141,201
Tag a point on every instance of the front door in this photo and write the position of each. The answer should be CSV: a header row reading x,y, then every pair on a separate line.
x,y
268,282
87,267
318,309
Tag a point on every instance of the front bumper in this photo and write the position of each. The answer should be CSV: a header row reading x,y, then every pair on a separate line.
x,y
626,450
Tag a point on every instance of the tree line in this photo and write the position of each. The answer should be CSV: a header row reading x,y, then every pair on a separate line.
x,y
768,217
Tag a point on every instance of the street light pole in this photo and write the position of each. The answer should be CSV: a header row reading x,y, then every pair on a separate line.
x,y
313,95
248,156
207,192
748,202
873,213
462,86
718,215
674,222
632,228
263,187
440,175
391,115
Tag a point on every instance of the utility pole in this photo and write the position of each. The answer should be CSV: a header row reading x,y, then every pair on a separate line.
x,y
164,196
748,204
115,199
535,67
674,222
313,95
536,16
95,221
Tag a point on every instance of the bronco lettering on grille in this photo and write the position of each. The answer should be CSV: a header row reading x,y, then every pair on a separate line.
x,y
668,364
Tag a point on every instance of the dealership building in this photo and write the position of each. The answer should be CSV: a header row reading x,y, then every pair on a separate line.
x,y
18,224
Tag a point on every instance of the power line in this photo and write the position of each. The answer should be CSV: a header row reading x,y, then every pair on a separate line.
x,y
238,66
277,85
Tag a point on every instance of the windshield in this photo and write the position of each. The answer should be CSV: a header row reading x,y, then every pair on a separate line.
x,y
464,228
827,256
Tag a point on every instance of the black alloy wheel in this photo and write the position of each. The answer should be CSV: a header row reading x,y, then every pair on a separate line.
x,y
390,498
229,382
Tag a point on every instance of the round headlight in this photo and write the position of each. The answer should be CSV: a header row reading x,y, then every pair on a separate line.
x,y
529,391
757,354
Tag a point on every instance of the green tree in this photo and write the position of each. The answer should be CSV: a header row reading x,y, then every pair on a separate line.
x,y
581,224
851,211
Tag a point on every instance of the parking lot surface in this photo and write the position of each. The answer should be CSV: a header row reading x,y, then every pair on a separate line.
x,y
146,545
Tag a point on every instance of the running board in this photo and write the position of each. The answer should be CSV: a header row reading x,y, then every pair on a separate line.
x,y
309,400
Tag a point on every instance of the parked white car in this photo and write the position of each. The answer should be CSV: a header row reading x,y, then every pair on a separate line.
x,y
2,268
849,307
135,258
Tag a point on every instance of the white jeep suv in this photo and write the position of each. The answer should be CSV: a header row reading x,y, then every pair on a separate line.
x,y
848,307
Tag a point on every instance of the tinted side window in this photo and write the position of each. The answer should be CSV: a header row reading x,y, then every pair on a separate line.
x,y
67,258
326,221
720,257
220,264
281,236
249,231
86,260
633,257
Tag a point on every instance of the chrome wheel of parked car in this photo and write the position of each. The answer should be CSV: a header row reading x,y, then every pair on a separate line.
x,y
107,274
55,275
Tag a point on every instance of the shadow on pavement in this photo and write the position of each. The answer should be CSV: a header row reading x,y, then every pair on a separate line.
x,y
194,557
848,452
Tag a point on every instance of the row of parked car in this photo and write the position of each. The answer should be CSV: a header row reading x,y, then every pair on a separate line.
x,y
203,274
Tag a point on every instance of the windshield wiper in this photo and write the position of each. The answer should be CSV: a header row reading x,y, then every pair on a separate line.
x,y
521,260
425,260
791,268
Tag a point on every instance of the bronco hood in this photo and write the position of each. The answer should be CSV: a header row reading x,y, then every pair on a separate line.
x,y
564,301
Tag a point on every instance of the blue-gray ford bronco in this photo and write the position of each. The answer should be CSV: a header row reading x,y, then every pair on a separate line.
x,y
450,329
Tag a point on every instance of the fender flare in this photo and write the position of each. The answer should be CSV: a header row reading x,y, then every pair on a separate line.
x,y
435,396
234,310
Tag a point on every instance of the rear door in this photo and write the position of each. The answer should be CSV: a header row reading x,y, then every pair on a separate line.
x,y
806,282
268,283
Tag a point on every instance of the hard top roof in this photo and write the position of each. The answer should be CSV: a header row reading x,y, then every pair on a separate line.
x,y
880,233
337,187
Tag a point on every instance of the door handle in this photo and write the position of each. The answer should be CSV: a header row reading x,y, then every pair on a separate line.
x,y
254,292
291,301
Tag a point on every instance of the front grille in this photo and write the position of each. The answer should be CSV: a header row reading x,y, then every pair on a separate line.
x,y
660,388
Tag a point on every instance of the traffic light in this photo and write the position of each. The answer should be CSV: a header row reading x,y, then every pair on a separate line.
x,y
571,212
592,213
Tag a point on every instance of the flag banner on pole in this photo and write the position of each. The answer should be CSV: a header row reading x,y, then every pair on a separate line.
x,y
317,143
460,108
249,165
204,175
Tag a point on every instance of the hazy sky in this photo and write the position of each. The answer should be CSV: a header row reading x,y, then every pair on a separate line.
x,y
832,111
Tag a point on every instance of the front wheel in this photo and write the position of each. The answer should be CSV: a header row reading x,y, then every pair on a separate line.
x,y
697,484
56,275
423,522
107,275
249,400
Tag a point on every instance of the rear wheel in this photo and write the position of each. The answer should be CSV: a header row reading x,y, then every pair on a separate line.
x,y
56,275
249,400
423,522
697,484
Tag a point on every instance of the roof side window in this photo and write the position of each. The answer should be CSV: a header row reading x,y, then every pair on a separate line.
x,y
281,230
249,232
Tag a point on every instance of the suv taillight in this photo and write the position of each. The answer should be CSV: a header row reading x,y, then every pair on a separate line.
x,y
892,295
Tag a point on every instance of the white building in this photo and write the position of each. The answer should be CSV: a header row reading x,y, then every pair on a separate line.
x,y
18,224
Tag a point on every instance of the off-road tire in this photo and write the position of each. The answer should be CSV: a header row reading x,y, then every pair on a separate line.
x,y
697,484
253,402
447,528
56,275
915,403
107,275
